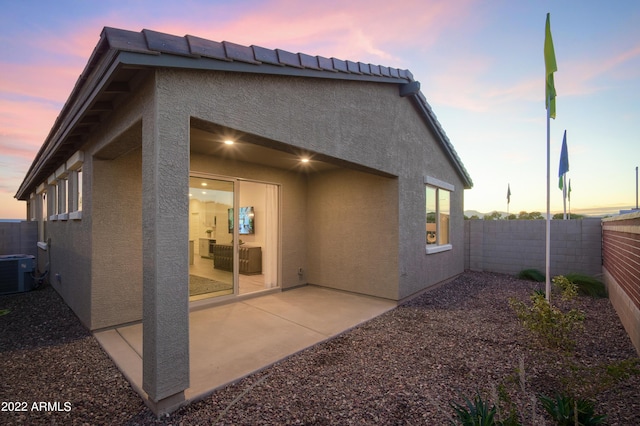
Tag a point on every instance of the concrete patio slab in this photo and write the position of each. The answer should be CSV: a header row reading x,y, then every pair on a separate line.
x,y
228,342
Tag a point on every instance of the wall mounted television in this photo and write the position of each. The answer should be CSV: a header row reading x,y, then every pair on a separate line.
x,y
245,219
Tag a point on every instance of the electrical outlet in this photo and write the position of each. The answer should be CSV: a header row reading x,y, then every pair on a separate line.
x,y
59,278
299,271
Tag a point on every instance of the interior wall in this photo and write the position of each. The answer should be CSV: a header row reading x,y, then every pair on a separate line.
x,y
353,232
117,240
252,194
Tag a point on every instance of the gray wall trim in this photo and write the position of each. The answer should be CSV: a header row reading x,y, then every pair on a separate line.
x,y
429,180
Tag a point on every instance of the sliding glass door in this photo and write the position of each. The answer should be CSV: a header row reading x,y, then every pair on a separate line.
x,y
211,253
233,236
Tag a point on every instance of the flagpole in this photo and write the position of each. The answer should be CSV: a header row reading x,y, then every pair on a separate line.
x,y
569,196
548,230
564,196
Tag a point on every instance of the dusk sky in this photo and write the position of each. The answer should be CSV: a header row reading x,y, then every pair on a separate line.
x,y
480,64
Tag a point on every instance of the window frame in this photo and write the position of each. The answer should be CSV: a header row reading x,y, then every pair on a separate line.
x,y
62,193
74,168
52,197
438,185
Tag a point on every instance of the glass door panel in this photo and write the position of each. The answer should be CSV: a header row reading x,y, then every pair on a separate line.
x,y
258,236
211,253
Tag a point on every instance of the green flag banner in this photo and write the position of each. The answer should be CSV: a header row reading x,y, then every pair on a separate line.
x,y
550,67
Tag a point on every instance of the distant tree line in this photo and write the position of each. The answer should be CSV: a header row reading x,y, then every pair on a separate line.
x,y
495,215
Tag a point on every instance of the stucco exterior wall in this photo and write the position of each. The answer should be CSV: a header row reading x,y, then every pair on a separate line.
x,y
103,285
364,123
117,233
352,235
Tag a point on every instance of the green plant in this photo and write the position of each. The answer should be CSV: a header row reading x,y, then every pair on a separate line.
x,y
548,322
568,290
4,311
505,406
567,411
624,369
588,286
474,413
531,275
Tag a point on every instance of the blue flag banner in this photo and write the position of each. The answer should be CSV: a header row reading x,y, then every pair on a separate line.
x,y
564,161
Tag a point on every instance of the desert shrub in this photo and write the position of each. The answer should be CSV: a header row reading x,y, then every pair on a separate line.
x,y
532,275
567,411
588,286
547,322
568,290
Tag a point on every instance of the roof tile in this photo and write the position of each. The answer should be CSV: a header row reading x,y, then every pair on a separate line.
x,y
385,71
288,58
364,68
308,61
325,63
375,69
207,48
353,67
240,53
264,55
129,41
167,43
394,72
339,65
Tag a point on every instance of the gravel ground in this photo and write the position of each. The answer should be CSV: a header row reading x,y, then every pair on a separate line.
x,y
403,367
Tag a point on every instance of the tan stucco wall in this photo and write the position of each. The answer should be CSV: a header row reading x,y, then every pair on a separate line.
x,y
364,123
353,232
117,235
70,264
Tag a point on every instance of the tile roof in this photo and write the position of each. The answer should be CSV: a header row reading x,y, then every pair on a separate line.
x,y
157,43
152,48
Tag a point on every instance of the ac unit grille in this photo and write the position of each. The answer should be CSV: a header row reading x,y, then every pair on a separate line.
x,y
16,273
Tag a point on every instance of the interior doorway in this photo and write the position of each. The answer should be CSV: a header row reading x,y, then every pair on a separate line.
x,y
233,236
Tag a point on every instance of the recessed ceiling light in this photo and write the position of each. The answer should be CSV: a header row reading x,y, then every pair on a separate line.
x,y
228,142
204,184
204,192
304,160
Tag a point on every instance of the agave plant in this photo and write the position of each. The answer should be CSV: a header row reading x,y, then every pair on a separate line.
x,y
567,411
474,413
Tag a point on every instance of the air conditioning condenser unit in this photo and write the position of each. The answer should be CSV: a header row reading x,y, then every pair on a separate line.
x,y
16,273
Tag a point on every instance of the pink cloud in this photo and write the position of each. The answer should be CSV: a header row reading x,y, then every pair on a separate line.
x,y
48,81
581,77
26,123
357,30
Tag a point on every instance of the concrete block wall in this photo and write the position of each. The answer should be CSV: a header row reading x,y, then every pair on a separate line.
x,y
509,246
19,238
621,255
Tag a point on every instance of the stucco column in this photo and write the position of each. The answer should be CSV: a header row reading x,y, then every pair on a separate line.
x,y
165,187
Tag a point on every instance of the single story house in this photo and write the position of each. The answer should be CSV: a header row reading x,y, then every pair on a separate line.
x,y
183,171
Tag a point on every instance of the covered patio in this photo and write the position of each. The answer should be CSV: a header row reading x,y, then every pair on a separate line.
x,y
230,341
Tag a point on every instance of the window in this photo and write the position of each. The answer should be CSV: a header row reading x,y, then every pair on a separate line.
x,y
74,167
41,210
52,198
438,212
61,189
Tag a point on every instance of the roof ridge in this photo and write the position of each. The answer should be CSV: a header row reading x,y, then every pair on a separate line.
x,y
157,43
